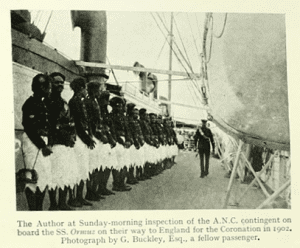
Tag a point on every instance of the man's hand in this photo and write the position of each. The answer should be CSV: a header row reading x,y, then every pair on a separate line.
x,y
92,144
127,144
47,150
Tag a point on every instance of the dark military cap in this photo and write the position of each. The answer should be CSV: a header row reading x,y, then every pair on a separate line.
x,y
93,86
142,111
57,74
204,120
116,101
130,106
152,114
103,75
166,119
78,83
159,117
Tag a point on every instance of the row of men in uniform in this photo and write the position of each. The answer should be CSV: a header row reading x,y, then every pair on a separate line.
x,y
80,143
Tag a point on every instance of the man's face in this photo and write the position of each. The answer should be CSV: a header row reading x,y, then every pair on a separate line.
x,y
58,84
152,119
135,114
118,108
45,87
102,85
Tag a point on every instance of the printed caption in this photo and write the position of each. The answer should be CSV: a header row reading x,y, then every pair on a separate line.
x,y
154,231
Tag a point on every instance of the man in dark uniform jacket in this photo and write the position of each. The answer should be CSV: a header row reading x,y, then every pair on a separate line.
x,y
36,126
79,114
103,101
63,133
95,130
133,126
157,135
169,139
163,140
120,131
147,133
174,137
203,138
138,138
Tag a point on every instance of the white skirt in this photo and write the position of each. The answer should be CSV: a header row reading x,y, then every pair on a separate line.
x,y
42,164
162,150
140,159
123,156
157,153
168,151
95,156
63,167
111,159
82,157
148,156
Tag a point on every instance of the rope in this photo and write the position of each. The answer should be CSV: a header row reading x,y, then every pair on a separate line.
x,y
175,52
172,47
165,26
23,156
161,51
192,33
222,32
112,70
211,38
40,17
36,16
48,21
189,62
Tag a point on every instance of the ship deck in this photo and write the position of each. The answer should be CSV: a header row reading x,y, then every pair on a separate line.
x,y
178,188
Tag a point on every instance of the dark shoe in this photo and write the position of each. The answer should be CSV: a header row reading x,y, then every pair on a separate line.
x,y
131,182
85,203
115,188
92,197
107,192
64,207
75,203
126,188
122,189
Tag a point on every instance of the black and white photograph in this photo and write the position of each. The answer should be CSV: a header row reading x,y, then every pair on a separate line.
x,y
137,125
136,110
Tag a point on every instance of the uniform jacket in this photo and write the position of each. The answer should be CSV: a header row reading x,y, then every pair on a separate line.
x,y
147,131
62,124
119,128
80,117
35,120
203,140
136,131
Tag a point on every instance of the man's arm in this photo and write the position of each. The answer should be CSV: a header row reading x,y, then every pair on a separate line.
x,y
212,141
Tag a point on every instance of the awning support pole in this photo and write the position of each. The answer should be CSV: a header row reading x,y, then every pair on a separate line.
x,y
256,177
275,194
254,180
233,173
